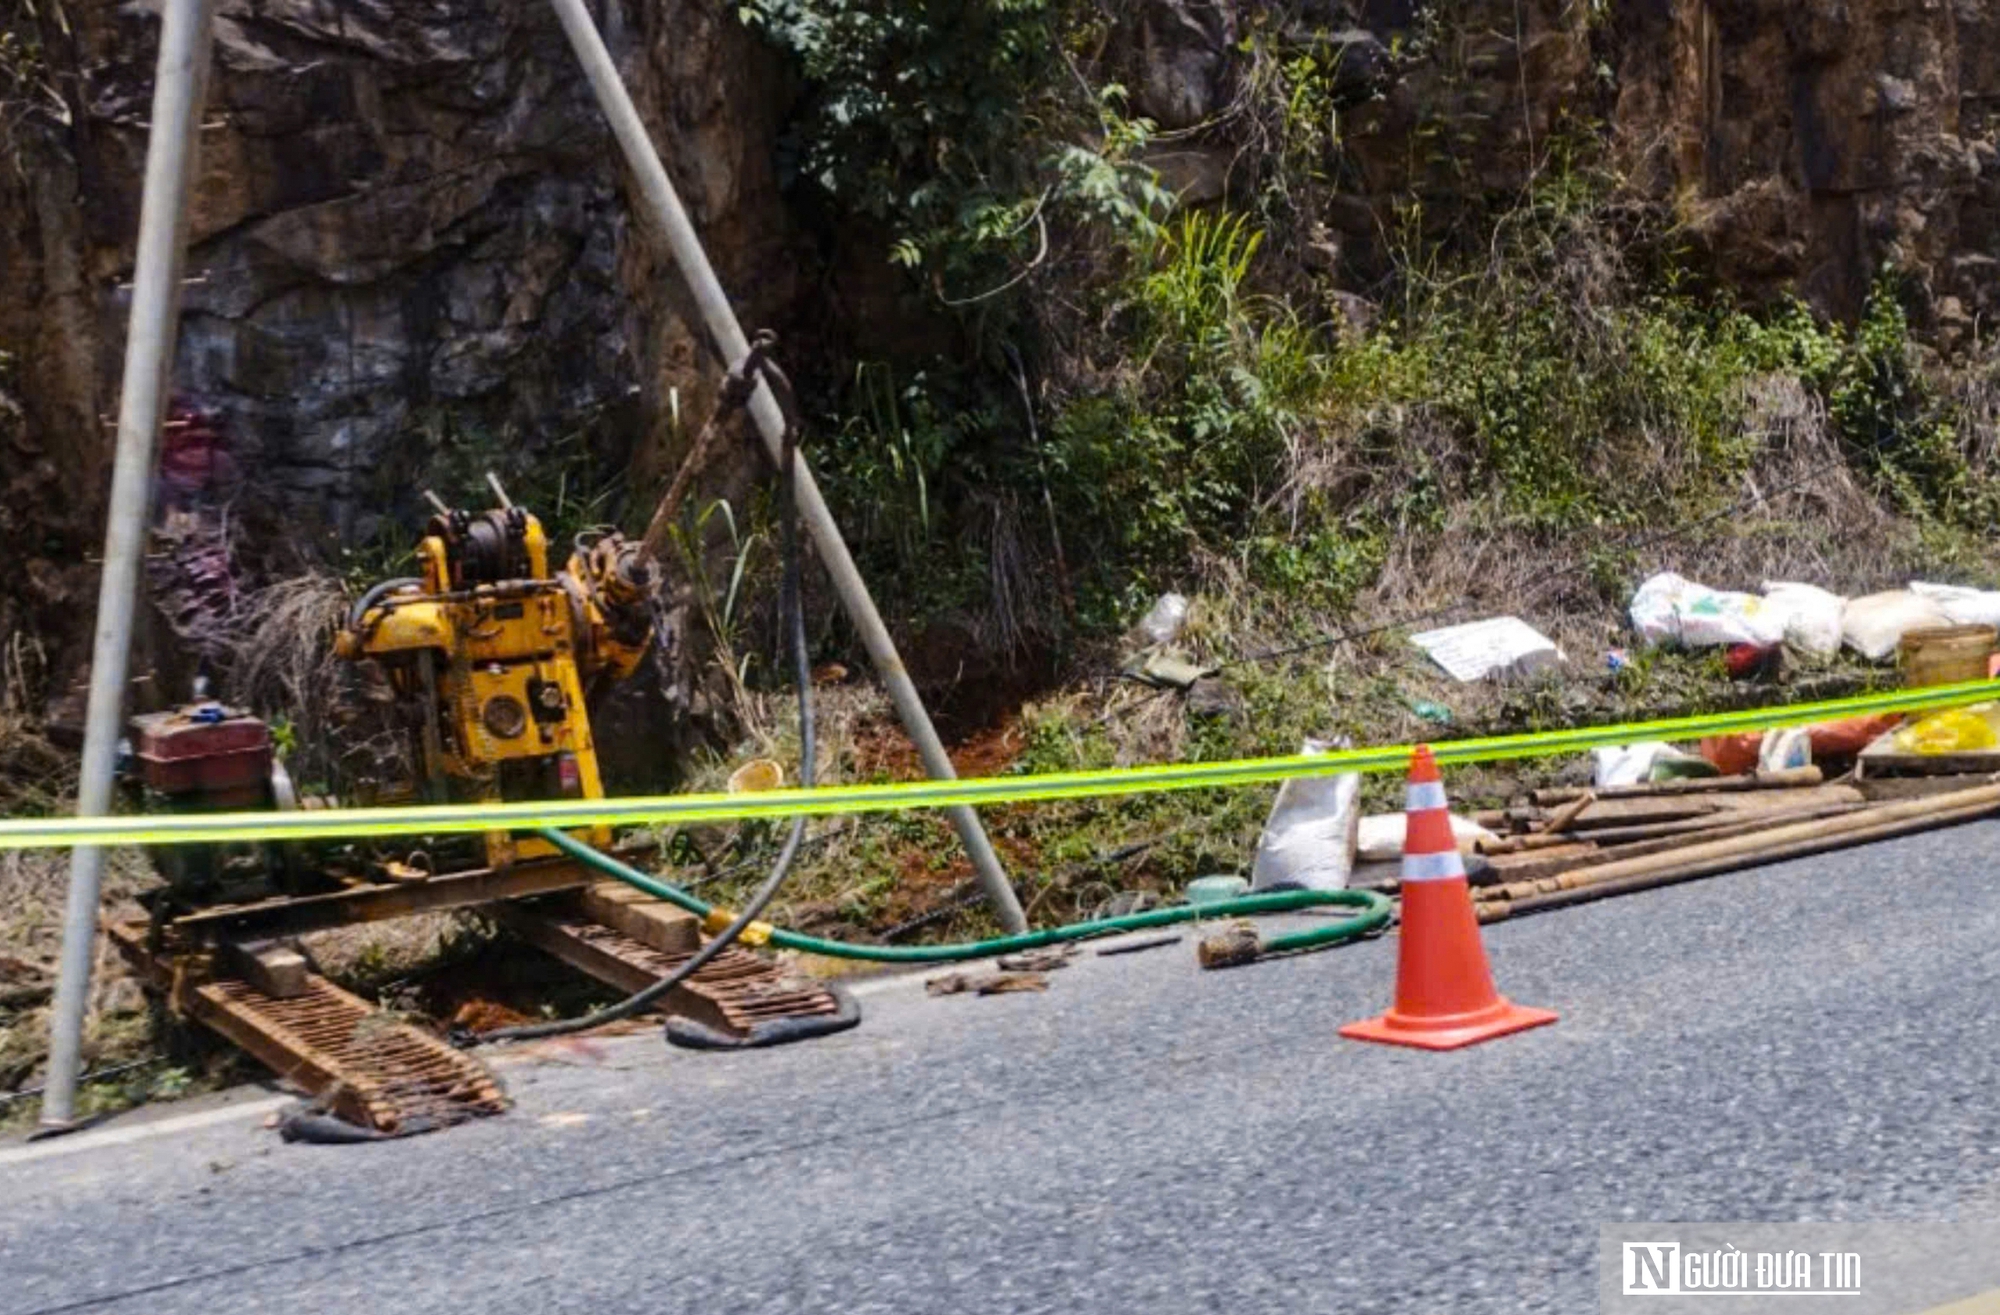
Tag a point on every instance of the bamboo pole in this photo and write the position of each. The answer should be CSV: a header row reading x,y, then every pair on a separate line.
x,y
1797,840
1785,778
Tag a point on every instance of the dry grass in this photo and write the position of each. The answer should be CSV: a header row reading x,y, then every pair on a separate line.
x,y
282,665
33,888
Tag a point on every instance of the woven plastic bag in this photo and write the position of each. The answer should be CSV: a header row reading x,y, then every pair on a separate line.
x,y
1670,609
1309,839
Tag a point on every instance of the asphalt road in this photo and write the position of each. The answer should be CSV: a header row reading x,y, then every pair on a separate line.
x,y
1809,1041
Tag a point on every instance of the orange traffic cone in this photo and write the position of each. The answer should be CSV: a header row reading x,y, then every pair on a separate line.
x,y
1444,990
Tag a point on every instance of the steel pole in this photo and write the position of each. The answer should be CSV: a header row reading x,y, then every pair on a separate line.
x,y
149,354
685,244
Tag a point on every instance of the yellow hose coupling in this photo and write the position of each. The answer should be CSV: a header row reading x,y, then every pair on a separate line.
x,y
718,920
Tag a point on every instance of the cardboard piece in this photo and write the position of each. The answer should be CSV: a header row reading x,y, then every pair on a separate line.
x,y
1500,645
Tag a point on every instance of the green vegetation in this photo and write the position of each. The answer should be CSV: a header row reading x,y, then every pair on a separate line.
x,y
1515,402
1203,393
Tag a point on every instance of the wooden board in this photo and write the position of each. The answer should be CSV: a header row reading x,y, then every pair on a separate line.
x,y
666,927
1886,789
1874,765
1779,801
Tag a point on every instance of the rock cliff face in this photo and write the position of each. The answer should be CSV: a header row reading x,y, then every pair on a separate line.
x,y
1802,142
1809,141
409,232
412,234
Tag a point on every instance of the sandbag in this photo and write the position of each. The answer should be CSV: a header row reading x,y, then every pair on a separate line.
x,y
1670,609
1875,625
1379,838
1308,841
1811,615
1964,607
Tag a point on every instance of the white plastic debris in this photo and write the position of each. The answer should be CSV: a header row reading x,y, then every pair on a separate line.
x,y
1308,841
1875,625
1164,621
1653,760
1670,609
1780,750
1500,645
1625,764
1810,615
1379,837
1965,607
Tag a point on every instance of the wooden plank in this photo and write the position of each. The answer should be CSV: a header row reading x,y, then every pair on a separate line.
x,y
1630,812
274,968
451,890
1884,788
1892,763
596,957
647,919
1778,801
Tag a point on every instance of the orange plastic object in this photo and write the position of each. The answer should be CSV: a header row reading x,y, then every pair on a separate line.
x,y
1732,754
1833,738
1444,988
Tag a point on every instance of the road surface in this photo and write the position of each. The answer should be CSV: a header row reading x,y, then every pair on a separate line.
x,y
1810,1041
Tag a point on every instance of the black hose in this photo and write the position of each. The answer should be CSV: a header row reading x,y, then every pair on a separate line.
x,y
792,605
375,594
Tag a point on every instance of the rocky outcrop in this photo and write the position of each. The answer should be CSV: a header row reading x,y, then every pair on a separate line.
x,y
1808,142
414,256
409,238
1800,144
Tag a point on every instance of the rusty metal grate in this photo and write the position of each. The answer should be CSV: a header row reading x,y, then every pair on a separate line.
x,y
366,1066
733,992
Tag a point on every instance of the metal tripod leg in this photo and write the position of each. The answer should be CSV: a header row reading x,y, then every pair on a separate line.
x,y
666,211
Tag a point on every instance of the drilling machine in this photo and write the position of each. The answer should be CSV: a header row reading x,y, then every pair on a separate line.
x,y
491,660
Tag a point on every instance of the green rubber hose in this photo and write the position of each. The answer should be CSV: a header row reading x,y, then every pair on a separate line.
x,y
1373,916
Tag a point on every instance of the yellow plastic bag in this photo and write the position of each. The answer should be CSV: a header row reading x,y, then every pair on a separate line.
x,y
1955,730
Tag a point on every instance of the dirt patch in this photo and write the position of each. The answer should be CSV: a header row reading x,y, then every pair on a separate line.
x,y
484,979
477,1015
882,749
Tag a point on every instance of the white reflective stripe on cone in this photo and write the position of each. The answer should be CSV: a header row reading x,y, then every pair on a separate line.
x,y
1433,867
1425,794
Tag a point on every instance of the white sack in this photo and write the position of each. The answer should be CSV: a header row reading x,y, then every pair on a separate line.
x,y
1810,614
1965,607
1308,841
1379,838
1874,625
1669,609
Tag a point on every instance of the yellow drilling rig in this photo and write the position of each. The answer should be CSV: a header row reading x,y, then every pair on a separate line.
x,y
491,658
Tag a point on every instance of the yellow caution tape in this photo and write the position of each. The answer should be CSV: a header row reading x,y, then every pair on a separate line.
x,y
827,801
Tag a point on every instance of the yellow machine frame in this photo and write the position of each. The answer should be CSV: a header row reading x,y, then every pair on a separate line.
x,y
502,666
